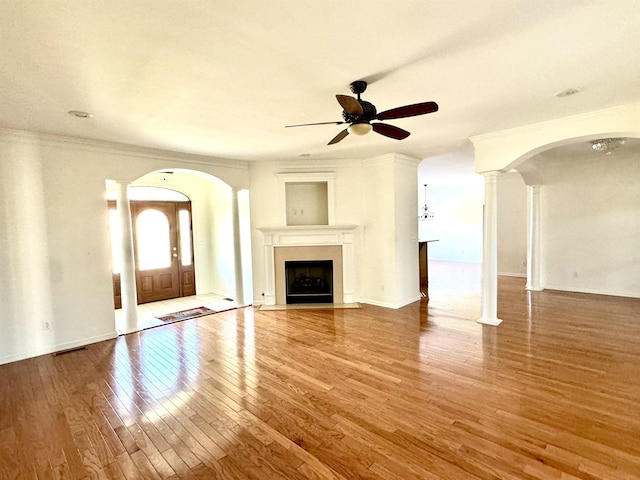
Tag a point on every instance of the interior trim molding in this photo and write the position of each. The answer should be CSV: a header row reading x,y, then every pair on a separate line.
x,y
59,141
57,348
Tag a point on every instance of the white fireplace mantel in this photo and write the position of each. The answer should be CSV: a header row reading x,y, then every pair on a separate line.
x,y
306,236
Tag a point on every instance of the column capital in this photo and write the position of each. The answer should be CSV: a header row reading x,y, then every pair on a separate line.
x,y
491,175
120,182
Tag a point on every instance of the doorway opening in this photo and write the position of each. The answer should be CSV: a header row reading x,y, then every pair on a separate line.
x,y
163,249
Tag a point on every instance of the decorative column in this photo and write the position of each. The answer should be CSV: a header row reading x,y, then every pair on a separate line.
x,y
237,249
128,269
533,240
490,252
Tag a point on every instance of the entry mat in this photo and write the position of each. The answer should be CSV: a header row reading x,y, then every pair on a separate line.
x,y
186,314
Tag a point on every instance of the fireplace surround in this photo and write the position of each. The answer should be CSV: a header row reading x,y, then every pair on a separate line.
x,y
308,243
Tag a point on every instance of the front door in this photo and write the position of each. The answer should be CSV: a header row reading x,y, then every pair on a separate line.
x,y
163,250
156,251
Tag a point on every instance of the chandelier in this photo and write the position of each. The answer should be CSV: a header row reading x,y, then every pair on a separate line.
x,y
426,214
607,145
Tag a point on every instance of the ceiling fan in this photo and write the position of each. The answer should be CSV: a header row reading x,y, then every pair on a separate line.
x,y
359,114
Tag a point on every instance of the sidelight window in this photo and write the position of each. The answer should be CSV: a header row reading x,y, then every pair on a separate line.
x,y
184,227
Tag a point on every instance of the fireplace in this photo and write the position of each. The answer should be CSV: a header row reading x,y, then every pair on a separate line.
x,y
309,244
309,281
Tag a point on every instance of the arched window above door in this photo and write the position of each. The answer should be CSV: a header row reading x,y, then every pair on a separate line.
x,y
153,240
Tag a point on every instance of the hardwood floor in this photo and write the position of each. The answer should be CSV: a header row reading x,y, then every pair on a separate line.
x,y
148,313
423,392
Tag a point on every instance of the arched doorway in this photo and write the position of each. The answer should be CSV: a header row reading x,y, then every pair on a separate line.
x,y
220,244
163,245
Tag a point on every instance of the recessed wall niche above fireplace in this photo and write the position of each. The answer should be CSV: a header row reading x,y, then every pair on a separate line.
x,y
306,198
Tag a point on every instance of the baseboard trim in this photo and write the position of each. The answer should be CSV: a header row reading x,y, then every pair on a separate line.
x,y
393,306
593,292
57,348
509,274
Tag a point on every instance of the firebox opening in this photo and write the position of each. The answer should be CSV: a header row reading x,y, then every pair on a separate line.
x,y
309,281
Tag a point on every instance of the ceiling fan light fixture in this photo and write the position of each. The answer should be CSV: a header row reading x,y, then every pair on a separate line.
x,y
359,128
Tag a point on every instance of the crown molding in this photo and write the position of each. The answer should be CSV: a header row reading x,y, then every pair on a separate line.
x,y
388,158
83,144
536,127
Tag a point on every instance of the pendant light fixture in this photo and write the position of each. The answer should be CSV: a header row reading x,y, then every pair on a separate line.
x,y
427,214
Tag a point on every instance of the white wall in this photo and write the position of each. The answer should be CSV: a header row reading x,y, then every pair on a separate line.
x,y
378,261
390,275
55,257
377,195
405,229
512,225
54,233
244,212
221,234
590,224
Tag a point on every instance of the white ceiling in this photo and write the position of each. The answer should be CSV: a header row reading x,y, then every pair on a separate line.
x,y
223,77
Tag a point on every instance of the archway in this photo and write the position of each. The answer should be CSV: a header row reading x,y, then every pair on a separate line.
x,y
501,151
583,218
163,244
220,219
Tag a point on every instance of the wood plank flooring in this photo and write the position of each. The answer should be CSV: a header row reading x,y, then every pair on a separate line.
x,y
423,392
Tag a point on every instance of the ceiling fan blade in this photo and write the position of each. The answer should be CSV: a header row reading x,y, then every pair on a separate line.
x,y
408,111
350,104
339,137
308,124
390,131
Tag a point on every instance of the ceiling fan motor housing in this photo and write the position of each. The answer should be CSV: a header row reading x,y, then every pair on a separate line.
x,y
358,87
369,112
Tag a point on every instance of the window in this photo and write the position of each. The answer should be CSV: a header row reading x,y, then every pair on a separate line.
x,y
153,240
184,227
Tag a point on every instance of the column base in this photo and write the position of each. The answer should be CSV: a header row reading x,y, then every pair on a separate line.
x,y
489,321
128,330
